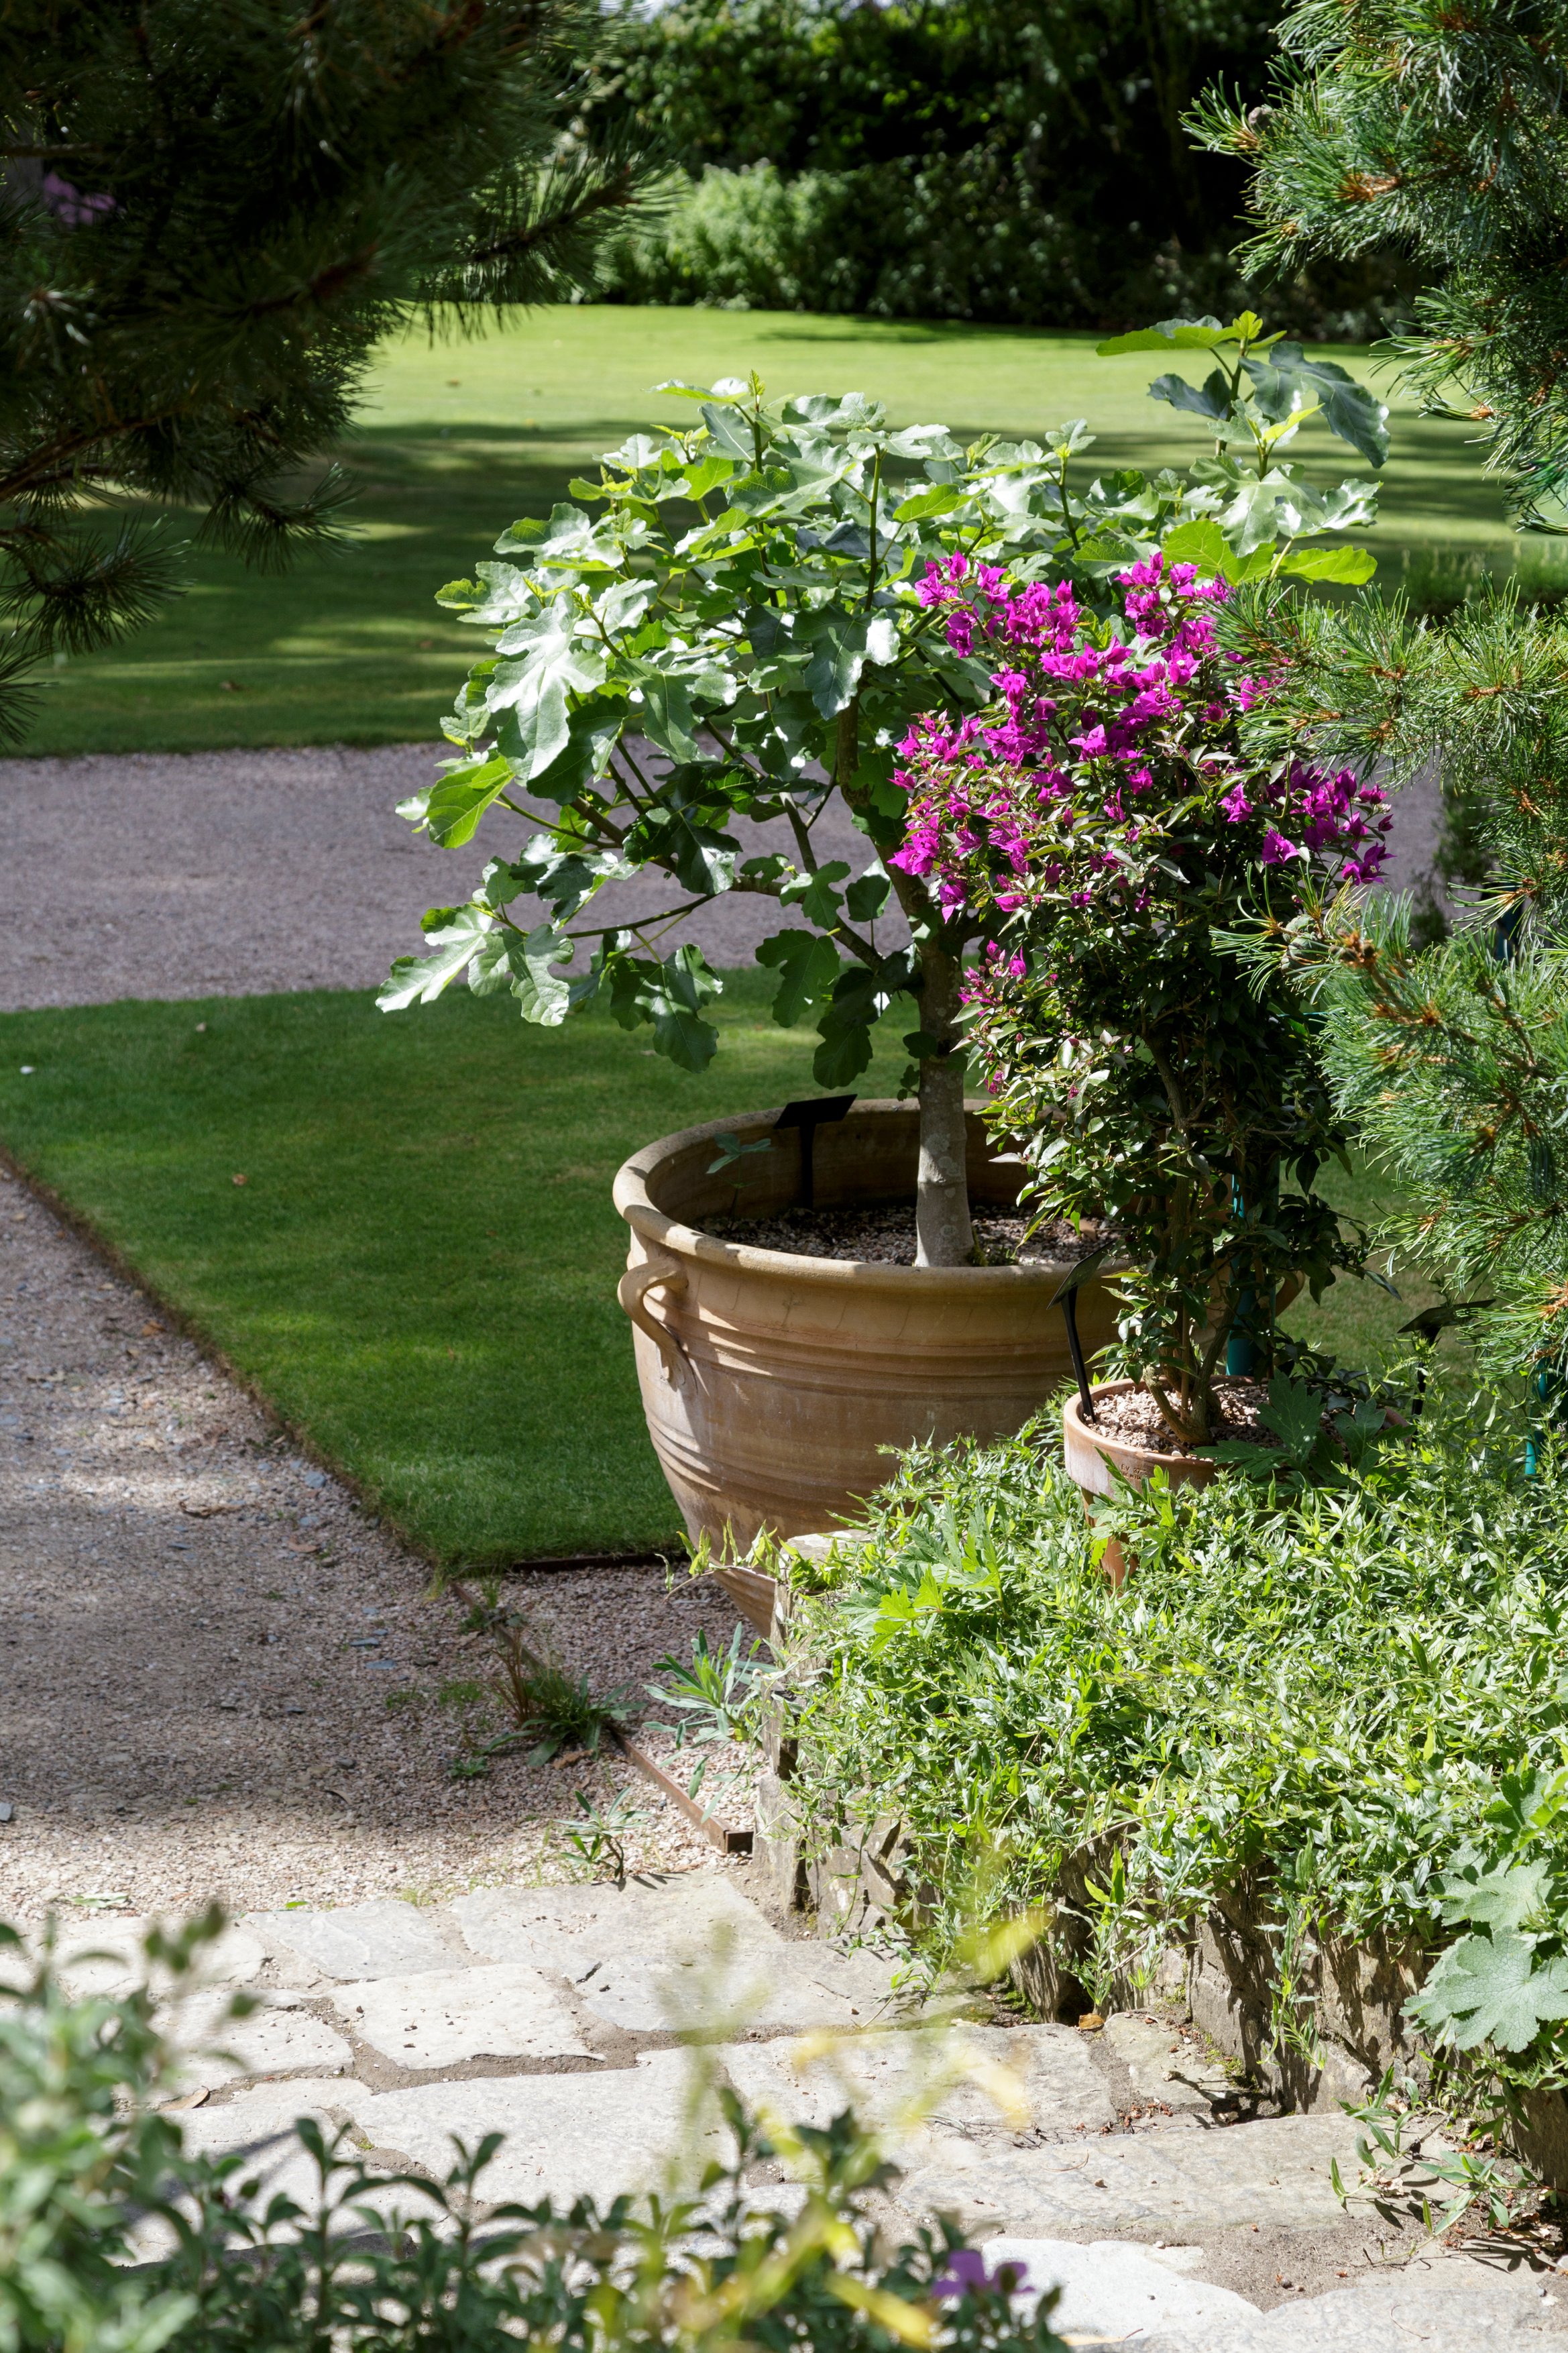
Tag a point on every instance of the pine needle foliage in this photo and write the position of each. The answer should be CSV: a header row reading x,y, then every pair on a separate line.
x,y
1438,130
1451,1062
208,217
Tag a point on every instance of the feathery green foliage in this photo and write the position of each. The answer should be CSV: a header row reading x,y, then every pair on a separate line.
x,y
1323,1703
210,216
1440,130
1451,1062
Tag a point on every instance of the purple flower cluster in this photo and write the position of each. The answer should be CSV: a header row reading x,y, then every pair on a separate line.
x,y
1110,761
68,203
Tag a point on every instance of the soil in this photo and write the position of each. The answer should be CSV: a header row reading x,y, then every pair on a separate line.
x,y
221,1676
1133,1417
885,1236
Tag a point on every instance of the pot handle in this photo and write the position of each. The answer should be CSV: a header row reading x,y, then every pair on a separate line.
x,y
632,1290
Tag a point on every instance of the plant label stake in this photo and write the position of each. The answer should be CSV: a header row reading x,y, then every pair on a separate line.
x,y
808,1116
1429,1326
1067,1300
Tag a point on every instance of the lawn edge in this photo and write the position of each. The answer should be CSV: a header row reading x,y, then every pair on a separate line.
x,y
191,1328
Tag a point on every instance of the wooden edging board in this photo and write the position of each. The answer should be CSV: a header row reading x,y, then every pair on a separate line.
x,y
722,1834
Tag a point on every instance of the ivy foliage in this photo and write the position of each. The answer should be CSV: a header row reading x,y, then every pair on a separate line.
x,y
1348,1702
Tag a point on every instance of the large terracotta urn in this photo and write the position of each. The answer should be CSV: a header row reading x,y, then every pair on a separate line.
x,y
775,1385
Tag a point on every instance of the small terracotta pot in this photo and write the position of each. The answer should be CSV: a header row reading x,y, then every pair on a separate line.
x,y
1091,1454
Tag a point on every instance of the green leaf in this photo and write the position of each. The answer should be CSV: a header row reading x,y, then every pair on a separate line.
x,y
1491,1990
843,1054
730,435
1348,408
865,899
570,537
808,966
698,855
841,645
593,731
1203,543
687,981
1351,564
1503,1898
1205,334
669,717
1295,1414
551,661
1211,399
815,893
455,804
923,504
419,980
542,997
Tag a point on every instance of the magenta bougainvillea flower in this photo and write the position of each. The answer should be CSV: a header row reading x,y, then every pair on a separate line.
x,y
1111,769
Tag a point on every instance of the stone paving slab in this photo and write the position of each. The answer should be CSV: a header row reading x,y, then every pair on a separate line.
x,y
573,1931
258,2123
277,2039
727,1991
1178,2184
1163,2065
1112,2290
386,1939
443,2018
107,1959
1447,2305
566,2136
972,2081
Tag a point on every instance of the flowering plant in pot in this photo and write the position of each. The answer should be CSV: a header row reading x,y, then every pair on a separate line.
x,y
736,626
740,629
1108,830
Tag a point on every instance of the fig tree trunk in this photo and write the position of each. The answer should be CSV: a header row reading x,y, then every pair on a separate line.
x,y
944,1234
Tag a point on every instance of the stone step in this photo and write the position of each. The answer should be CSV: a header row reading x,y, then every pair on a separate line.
x,y
1155,2298
547,2015
1174,2184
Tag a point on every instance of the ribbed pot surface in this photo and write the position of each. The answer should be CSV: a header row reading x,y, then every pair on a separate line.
x,y
774,1385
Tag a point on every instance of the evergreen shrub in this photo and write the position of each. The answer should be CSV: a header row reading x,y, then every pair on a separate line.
x,y
1347,1703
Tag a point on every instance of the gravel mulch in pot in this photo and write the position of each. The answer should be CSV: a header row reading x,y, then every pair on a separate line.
x,y
885,1236
1135,1418
220,1677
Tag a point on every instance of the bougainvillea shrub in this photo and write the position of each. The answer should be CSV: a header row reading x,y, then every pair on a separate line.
x,y
1104,823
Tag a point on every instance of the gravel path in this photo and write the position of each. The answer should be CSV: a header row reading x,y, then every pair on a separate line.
x,y
233,873
218,1677
238,873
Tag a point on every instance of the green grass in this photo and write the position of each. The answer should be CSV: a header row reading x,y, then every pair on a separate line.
x,y
419,1272
455,440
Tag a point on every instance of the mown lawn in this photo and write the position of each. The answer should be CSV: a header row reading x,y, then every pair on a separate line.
x,y
419,1271
455,440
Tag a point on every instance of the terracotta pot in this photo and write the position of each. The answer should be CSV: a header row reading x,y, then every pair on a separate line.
x,y
775,1385
1091,1454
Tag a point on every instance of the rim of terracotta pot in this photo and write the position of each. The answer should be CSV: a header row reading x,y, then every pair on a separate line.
x,y
656,1225
1164,1458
